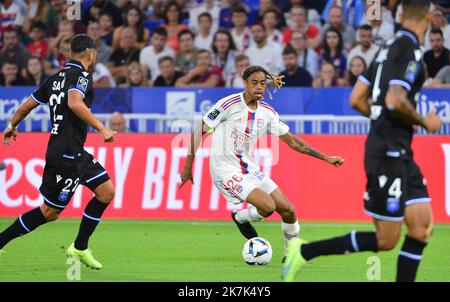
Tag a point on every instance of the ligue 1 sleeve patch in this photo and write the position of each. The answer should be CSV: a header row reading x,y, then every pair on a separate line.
x,y
82,83
213,114
412,71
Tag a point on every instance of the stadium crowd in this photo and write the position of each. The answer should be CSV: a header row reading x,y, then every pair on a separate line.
x,y
313,43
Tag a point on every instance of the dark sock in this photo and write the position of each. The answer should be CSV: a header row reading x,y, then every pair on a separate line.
x,y
352,242
409,259
91,217
26,223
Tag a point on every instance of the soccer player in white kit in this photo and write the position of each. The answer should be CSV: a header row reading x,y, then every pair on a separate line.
x,y
238,121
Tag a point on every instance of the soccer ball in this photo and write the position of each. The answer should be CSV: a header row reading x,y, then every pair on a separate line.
x,y
258,251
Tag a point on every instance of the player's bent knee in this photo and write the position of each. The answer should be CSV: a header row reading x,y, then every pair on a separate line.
x,y
268,208
422,233
105,192
387,242
107,196
50,214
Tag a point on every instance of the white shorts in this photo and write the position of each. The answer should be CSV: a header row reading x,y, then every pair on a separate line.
x,y
235,187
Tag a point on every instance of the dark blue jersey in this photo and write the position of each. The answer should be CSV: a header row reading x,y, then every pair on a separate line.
x,y
68,132
398,62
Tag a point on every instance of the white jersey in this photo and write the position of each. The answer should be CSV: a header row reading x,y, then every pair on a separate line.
x,y
237,129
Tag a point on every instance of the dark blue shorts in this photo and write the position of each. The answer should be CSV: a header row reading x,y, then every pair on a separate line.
x,y
63,175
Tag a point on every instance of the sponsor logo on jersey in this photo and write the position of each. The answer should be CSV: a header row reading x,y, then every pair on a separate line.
x,y
260,175
63,196
393,205
412,71
82,83
215,113
58,178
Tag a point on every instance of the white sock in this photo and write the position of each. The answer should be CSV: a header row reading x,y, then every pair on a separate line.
x,y
248,215
290,231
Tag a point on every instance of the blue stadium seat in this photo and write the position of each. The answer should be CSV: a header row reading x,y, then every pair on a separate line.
x,y
153,23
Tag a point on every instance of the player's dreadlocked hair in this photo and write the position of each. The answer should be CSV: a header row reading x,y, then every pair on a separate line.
x,y
278,81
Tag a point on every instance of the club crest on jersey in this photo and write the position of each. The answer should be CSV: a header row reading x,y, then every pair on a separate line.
x,y
215,113
63,196
260,123
82,84
412,71
393,205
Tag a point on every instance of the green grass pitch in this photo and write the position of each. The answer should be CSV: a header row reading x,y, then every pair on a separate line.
x,y
148,250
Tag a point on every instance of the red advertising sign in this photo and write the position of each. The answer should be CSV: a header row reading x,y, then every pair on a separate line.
x,y
145,171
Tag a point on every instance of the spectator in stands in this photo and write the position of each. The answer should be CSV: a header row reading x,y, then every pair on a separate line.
x,y
204,37
135,76
307,57
366,49
186,6
382,31
438,56
328,77
386,14
117,123
241,63
38,46
124,55
173,24
65,31
270,19
312,8
12,51
224,52
106,28
240,32
187,57
442,79
294,75
35,72
103,51
204,74
357,67
438,20
212,7
61,10
383,28
333,51
36,11
102,77
336,20
353,11
151,54
10,75
134,19
11,16
298,22
99,7
226,13
263,52
168,75
264,5
59,58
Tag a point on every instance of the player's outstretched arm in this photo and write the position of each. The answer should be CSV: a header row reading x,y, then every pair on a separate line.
x,y
80,109
301,146
11,132
397,101
196,138
359,98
